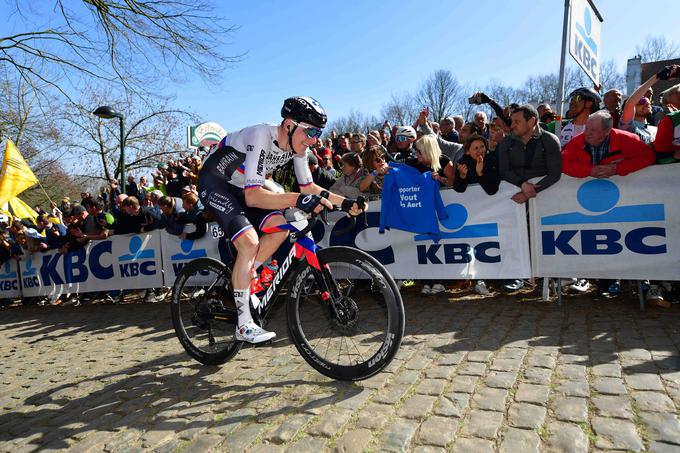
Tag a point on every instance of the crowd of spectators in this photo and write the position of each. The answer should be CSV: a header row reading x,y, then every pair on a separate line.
x,y
171,203
603,135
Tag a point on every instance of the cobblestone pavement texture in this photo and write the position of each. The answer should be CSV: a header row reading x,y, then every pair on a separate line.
x,y
499,374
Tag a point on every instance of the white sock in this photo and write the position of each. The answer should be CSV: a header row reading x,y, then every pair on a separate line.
x,y
242,299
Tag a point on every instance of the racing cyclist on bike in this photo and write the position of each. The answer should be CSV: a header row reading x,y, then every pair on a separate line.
x,y
231,183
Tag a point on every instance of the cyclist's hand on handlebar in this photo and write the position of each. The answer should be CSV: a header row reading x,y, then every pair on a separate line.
x,y
311,203
354,207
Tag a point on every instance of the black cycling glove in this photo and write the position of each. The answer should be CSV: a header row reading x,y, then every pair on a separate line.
x,y
307,202
347,203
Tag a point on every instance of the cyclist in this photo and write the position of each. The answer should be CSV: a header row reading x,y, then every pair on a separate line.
x,y
231,183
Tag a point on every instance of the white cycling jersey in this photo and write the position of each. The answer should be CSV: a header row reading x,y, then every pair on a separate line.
x,y
246,157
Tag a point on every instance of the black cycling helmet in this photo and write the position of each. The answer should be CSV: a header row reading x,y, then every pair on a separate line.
x,y
303,109
588,94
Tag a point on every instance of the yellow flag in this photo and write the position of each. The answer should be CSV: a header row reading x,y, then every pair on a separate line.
x,y
15,175
21,210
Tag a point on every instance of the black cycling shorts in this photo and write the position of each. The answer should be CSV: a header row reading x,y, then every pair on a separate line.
x,y
228,204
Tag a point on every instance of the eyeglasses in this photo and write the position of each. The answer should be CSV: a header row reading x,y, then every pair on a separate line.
x,y
577,98
379,159
310,131
643,101
401,138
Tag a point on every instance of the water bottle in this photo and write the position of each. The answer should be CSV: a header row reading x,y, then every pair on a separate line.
x,y
267,274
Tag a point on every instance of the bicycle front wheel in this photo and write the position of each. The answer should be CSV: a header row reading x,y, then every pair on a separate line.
x,y
347,321
203,311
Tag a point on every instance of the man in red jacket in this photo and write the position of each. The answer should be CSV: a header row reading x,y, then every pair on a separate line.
x,y
602,151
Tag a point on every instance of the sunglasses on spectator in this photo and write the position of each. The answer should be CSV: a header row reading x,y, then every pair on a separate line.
x,y
311,132
577,98
643,101
401,138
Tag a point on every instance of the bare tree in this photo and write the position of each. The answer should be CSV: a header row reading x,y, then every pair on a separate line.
x,y
129,42
355,122
656,48
439,93
400,110
153,132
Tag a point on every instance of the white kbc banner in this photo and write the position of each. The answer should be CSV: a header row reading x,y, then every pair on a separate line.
x,y
623,227
121,262
484,237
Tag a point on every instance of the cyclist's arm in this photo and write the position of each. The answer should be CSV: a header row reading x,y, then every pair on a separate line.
x,y
259,197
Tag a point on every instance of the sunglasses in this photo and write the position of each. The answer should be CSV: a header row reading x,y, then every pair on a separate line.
x,y
379,159
401,138
643,101
577,98
311,132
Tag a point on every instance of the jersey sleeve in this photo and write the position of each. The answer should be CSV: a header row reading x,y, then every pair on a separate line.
x,y
302,173
254,165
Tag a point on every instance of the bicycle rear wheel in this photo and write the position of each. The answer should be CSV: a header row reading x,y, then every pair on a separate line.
x,y
348,322
203,311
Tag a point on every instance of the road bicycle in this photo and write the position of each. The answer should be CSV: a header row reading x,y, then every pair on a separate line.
x,y
344,310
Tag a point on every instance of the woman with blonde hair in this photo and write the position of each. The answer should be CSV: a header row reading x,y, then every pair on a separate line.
x,y
429,157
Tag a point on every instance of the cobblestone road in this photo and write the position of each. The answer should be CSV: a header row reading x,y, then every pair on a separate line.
x,y
474,376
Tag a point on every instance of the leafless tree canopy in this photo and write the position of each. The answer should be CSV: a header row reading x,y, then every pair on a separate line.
x,y
355,122
154,133
130,42
656,48
439,92
400,110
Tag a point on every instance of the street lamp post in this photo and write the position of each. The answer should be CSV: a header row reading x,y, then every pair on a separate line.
x,y
107,112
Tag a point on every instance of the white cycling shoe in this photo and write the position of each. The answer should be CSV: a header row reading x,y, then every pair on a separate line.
x,y
252,333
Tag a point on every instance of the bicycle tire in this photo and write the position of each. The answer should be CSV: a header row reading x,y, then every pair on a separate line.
x,y
193,308
374,328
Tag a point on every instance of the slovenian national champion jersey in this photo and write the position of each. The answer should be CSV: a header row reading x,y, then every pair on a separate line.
x,y
246,157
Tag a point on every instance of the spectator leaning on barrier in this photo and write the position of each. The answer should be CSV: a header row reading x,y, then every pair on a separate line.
x,y
192,215
602,151
132,218
97,224
348,183
172,208
527,153
55,233
475,168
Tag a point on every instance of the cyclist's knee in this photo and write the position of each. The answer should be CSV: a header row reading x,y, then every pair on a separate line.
x,y
273,221
247,243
